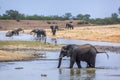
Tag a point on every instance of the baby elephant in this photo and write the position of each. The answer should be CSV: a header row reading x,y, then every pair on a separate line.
x,y
77,53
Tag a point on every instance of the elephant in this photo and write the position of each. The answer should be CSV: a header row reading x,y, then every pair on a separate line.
x,y
14,32
41,33
69,25
54,29
77,53
18,30
10,33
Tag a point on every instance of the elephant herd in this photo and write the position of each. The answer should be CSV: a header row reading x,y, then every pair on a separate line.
x,y
39,32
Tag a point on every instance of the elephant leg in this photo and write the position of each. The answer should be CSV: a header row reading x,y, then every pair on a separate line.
x,y
54,32
71,63
92,63
89,65
78,63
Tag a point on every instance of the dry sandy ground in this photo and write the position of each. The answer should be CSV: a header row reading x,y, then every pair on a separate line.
x,y
12,56
108,33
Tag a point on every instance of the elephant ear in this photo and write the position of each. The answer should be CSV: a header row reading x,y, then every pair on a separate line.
x,y
70,49
63,51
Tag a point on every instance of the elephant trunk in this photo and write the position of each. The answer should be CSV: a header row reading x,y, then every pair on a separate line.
x,y
60,60
59,64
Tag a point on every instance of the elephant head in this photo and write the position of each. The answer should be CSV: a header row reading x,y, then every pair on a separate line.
x,y
54,29
34,31
16,31
39,32
65,51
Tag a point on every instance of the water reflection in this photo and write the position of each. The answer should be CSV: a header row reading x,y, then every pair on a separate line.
x,y
32,70
77,74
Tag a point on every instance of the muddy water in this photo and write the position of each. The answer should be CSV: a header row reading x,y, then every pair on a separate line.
x,y
46,68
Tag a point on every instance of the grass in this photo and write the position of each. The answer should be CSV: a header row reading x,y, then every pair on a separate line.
x,y
107,33
27,44
16,56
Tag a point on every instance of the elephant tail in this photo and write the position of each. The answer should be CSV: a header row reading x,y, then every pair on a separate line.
x,y
105,53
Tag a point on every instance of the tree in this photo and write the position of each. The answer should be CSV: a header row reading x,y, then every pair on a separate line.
x,y
119,10
114,18
67,15
13,14
80,17
86,17
114,15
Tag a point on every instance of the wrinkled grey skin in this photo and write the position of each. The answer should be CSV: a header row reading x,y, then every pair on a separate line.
x,y
54,29
79,53
14,32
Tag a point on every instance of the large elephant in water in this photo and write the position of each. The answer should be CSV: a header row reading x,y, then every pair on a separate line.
x,y
77,53
41,33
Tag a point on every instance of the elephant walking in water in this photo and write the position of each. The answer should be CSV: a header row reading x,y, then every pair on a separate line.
x,y
79,53
41,33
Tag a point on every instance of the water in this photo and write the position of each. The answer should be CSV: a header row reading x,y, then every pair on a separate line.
x,y
47,69
28,37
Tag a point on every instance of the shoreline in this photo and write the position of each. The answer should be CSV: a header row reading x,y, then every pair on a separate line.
x,y
101,48
7,56
16,54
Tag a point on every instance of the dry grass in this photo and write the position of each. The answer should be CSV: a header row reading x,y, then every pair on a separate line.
x,y
12,56
27,45
109,33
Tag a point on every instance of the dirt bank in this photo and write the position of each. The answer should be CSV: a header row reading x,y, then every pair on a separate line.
x,y
13,56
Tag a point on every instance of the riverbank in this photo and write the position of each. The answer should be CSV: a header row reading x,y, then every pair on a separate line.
x,y
13,56
26,50
16,50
